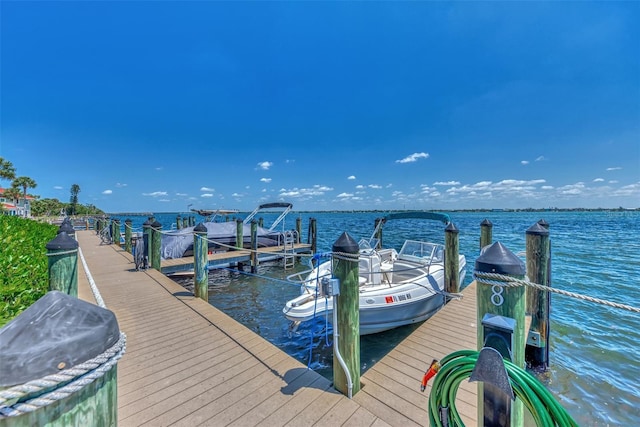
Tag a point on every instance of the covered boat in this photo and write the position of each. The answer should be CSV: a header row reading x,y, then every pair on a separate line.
x,y
396,288
222,235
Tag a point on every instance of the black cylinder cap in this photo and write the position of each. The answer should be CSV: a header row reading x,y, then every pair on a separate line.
x,y
200,228
498,259
67,228
544,223
156,225
146,224
486,223
62,241
127,221
346,244
451,228
538,230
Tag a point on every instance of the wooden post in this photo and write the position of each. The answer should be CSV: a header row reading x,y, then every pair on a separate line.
x,y
62,253
148,243
239,234
86,223
347,304
201,262
508,302
451,260
486,233
116,232
261,222
127,235
254,246
312,236
178,222
185,222
538,302
379,232
298,229
156,246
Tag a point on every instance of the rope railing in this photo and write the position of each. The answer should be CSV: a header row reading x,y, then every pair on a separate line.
x,y
495,279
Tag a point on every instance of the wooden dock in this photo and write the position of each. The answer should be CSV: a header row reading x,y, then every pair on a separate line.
x,y
188,363
219,259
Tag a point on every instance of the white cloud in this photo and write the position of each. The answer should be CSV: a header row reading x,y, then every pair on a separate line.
x,y
206,195
360,187
265,165
524,162
159,168
546,187
207,189
572,189
236,195
120,185
181,194
413,158
107,192
267,180
155,194
375,186
598,180
446,183
316,190
344,195
617,168
164,200
57,187
613,181
351,177
540,158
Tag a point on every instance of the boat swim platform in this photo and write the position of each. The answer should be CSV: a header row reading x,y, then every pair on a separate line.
x,y
224,258
187,363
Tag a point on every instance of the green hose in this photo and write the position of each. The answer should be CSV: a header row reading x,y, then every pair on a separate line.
x,y
459,365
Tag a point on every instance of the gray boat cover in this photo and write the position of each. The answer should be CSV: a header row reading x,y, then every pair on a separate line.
x,y
176,243
57,332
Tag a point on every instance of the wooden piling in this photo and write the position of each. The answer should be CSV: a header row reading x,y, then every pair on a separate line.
x,y
200,262
148,242
239,234
298,229
312,235
254,246
185,222
156,246
508,302
178,222
116,232
347,304
486,233
62,254
127,235
538,302
451,259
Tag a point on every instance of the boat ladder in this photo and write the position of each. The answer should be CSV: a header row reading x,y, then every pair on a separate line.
x,y
289,252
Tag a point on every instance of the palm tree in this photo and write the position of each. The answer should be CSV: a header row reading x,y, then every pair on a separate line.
x,y
7,171
75,189
24,182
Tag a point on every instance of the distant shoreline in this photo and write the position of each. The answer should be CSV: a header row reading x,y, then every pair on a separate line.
x,y
415,210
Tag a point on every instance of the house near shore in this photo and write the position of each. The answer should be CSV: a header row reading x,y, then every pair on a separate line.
x,y
16,207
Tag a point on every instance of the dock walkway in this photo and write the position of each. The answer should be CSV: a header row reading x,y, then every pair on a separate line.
x,y
189,364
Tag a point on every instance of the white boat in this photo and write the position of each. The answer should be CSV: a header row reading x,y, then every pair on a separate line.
x,y
396,288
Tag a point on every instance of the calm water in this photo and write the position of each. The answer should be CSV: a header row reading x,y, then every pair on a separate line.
x,y
595,364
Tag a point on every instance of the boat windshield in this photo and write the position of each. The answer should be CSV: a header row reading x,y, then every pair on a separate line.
x,y
423,252
368,244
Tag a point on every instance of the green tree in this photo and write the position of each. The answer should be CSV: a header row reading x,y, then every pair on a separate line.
x,y
25,183
46,207
75,190
7,171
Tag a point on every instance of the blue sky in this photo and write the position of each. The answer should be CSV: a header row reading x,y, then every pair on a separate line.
x,y
154,106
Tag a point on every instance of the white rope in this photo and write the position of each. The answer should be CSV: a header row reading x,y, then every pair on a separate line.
x,y
494,279
71,251
92,283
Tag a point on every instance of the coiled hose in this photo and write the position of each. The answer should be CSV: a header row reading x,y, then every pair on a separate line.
x,y
459,365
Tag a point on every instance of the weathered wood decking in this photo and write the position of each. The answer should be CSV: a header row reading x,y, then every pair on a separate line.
x,y
187,363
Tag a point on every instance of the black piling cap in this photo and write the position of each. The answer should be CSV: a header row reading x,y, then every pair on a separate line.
x,y
346,244
66,227
156,225
127,221
146,224
544,223
66,220
200,228
486,223
498,259
537,229
451,228
56,332
62,242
